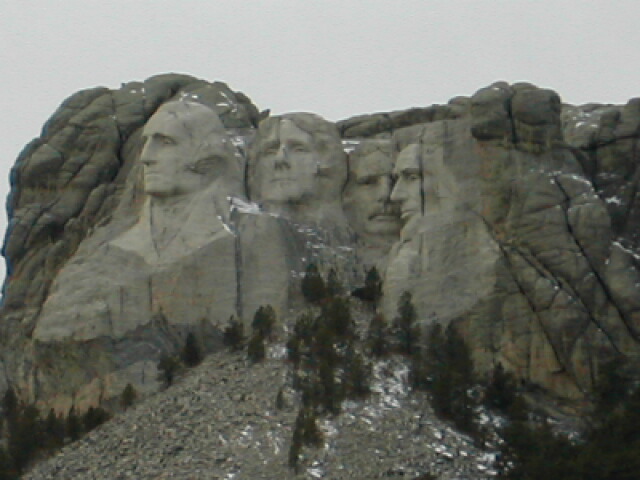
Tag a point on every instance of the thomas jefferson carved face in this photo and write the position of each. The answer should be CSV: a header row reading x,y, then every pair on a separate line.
x,y
367,197
408,188
185,147
296,159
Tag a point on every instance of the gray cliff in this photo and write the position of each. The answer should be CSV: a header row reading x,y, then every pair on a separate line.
x,y
170,205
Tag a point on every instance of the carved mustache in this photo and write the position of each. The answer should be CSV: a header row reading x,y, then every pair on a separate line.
x,y
392,210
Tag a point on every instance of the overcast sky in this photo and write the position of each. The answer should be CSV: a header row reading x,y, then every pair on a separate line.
x,y
335,58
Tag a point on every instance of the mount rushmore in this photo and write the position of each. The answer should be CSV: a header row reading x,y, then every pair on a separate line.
x,y
170,205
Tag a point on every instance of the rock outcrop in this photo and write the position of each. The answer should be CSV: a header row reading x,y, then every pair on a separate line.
x,y
507,212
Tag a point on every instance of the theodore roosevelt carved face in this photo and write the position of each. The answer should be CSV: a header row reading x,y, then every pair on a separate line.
x,y
296,159
367,199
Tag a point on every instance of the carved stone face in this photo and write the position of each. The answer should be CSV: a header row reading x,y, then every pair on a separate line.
x,y
182,142
367,198
408,188
296,161
288,165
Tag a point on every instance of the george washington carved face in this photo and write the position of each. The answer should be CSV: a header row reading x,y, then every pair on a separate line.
x,y
185,148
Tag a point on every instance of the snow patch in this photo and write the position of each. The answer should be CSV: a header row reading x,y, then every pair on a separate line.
x,y
244,206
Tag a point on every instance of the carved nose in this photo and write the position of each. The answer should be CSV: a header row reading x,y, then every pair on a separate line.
x,y
385,190
396,193
281,160
145,155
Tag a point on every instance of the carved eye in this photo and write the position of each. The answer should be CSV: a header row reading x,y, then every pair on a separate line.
x,y
299,149
270,150
369,181
412,177
165,140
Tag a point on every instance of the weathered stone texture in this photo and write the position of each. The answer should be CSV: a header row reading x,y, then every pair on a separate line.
x,y
525,231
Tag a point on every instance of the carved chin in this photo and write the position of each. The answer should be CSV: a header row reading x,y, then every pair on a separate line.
x,y
286,192
383,226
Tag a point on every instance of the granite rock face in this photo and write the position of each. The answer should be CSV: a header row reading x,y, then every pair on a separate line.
x,y
167,206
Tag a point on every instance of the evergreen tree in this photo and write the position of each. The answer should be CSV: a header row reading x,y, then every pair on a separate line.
x,y
54,430
73,427
25,437
128,396
255,349
313,286
293,350
377,336
280,401
264,320
373,286
406,332
94,417
7,472
330,394
233,335
531,453
501,390
446,371
295,448
304,327
371,292
307,427
191,355
10,404
336,317
356,375
168,367
334,286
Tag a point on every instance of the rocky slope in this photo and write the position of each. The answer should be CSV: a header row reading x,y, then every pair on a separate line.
x,y
221,422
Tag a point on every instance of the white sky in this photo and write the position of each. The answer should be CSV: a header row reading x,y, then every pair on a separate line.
x,y
335,58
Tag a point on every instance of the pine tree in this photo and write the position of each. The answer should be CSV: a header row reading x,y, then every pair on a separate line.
x,y
94,417
280,400
255,349
330,394
233,335
73,427
10,403
295,448
377,336
304,327
264,320
501,390
313,286
54,430
307,428
406,333
447,373
356,375
191,355
336,316
334,286
293,350
128,396
373,286
25,437
7,472
168,367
